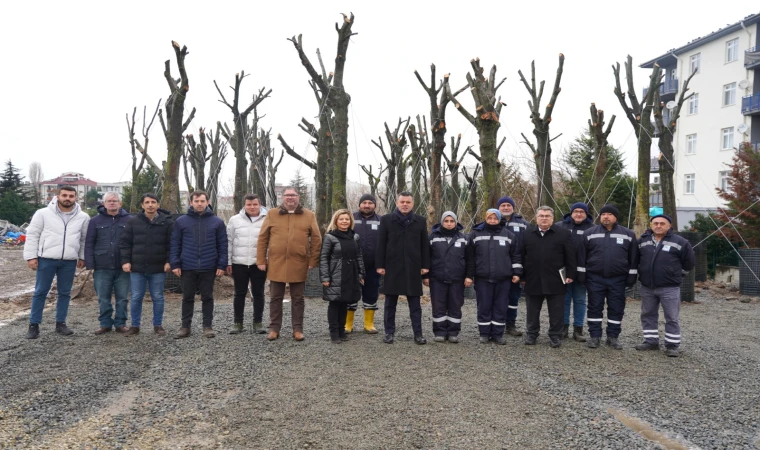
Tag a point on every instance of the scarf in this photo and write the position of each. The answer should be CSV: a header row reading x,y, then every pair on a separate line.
x,y
403,219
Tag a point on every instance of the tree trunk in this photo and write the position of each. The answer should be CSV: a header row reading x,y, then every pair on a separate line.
x,y
417,162
598,195
340,151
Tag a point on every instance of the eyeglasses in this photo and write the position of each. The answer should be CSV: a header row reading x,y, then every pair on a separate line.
x,y
544,216
290,195
111,201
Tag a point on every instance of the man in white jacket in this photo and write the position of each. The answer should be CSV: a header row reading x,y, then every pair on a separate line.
x,y
54,248
243,237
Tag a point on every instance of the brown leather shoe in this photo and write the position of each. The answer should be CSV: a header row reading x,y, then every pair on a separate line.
x,y
132,331
208,332
273,335
298,335
183,333
122,329
159,330
102,330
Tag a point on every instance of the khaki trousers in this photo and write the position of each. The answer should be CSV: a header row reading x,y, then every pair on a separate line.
x,y
297,304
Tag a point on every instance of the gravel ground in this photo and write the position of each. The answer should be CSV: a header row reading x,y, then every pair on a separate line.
x,y
88,391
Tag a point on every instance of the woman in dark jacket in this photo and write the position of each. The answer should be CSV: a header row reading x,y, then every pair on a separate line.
x,y
451,270
341,269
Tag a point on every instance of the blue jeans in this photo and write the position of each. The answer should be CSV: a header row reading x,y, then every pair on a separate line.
x,y
107,282
155,282
63,270
576,294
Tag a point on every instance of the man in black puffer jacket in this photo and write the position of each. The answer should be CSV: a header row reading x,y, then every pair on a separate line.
x,y
198,254
577,221
101,252
145,256
665,258
607,263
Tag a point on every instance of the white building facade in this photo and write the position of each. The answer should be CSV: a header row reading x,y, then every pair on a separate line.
x,y
723,113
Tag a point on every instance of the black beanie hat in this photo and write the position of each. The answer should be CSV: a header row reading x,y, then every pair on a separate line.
x,y
610,208
369,197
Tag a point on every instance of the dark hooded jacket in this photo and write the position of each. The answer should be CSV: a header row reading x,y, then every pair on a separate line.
x,y
496,253
101,249
145,243
666,263
199,242
403,251
450,262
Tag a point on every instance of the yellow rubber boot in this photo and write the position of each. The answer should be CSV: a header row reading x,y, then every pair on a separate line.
x,y
369,321
349,321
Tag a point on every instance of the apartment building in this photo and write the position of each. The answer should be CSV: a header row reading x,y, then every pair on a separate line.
x,y
723,112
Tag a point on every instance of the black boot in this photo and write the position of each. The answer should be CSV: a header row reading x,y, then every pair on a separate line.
x,y
565,331
593,342
61,328
34,331
335,337
614,343
578,334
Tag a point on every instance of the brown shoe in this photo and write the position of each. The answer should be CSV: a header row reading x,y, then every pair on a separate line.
x,y
273,335
132,331
298,335
159,330
208,332
102,330
122,329
183,333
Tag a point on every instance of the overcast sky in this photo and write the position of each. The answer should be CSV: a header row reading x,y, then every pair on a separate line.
x,y
72,70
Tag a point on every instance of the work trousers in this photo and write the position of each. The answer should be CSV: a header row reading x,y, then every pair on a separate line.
x,y
670,299
613,291
493,299
447,300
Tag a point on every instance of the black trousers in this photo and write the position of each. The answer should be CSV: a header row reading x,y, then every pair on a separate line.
x,y
243,277
336,317
447,300
556,304
415,313
197,281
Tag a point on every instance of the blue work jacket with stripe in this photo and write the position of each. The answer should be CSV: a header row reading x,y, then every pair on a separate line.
x,y
609,253
496,253
664,263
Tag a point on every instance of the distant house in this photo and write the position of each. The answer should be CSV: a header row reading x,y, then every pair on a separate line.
x,y
117,187
49,188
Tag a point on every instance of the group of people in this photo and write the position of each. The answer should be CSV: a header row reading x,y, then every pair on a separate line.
x,y
361,255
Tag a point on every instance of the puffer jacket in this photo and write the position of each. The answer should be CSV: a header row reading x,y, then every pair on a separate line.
x,y
664,264
330,267
50,236
450,262
199,242
101,250
243,237
577,230
497,254
608,253
145,244
366,228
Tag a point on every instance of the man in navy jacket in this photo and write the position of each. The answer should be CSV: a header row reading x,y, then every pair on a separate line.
x,y
101,252
366,225
664,259
198,254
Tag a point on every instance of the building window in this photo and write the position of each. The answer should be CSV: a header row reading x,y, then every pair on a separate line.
x,y
695,60
723,180
727,138
732,50
691,144
729,94
656,180
694,104
690,180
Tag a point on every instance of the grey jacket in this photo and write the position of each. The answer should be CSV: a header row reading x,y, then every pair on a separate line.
x,y
49,235
331,262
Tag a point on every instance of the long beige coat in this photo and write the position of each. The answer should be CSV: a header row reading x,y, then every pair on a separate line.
x,y
291,243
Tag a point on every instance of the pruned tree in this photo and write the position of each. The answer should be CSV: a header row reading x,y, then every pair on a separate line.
x,y
333,100
598,193
218,155
374,180
485,121
416,158
241,137
665,143
472,188
136,146
394,160
202,161
639,115
265,143
439,100
174,128
453,163
542,150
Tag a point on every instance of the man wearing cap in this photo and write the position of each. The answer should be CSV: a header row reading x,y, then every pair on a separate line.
x,y
577,221
664,259
366,223
517,225
607,263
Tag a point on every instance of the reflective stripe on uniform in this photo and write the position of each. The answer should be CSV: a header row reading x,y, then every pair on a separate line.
x,y
498,323
616,322
437,240
595,236
512,307
645,243
633,272
481,238
485,324
672,244
581,269
594,320
673,341
516,224
502,238
621,236
440,319
517,266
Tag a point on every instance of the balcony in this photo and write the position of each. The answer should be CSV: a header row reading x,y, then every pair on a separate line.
x,y
751,105
752,58
668,89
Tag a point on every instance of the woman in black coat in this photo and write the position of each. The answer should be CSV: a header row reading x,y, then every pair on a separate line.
x,y
341,269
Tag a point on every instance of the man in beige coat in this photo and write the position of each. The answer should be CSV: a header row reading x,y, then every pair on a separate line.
x,y
290,241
